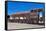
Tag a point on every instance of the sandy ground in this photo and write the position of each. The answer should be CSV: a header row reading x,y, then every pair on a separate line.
x,y
22,25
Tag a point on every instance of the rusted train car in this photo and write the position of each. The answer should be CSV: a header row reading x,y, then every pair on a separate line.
x,y
31,17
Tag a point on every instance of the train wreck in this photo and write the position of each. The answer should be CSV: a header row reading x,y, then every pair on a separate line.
x,y
31,17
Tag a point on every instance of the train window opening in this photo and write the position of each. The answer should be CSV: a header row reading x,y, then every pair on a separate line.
x,y
16,17
24,17
21,18
11,17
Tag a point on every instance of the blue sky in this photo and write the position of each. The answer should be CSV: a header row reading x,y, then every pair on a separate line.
x,y
14,7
